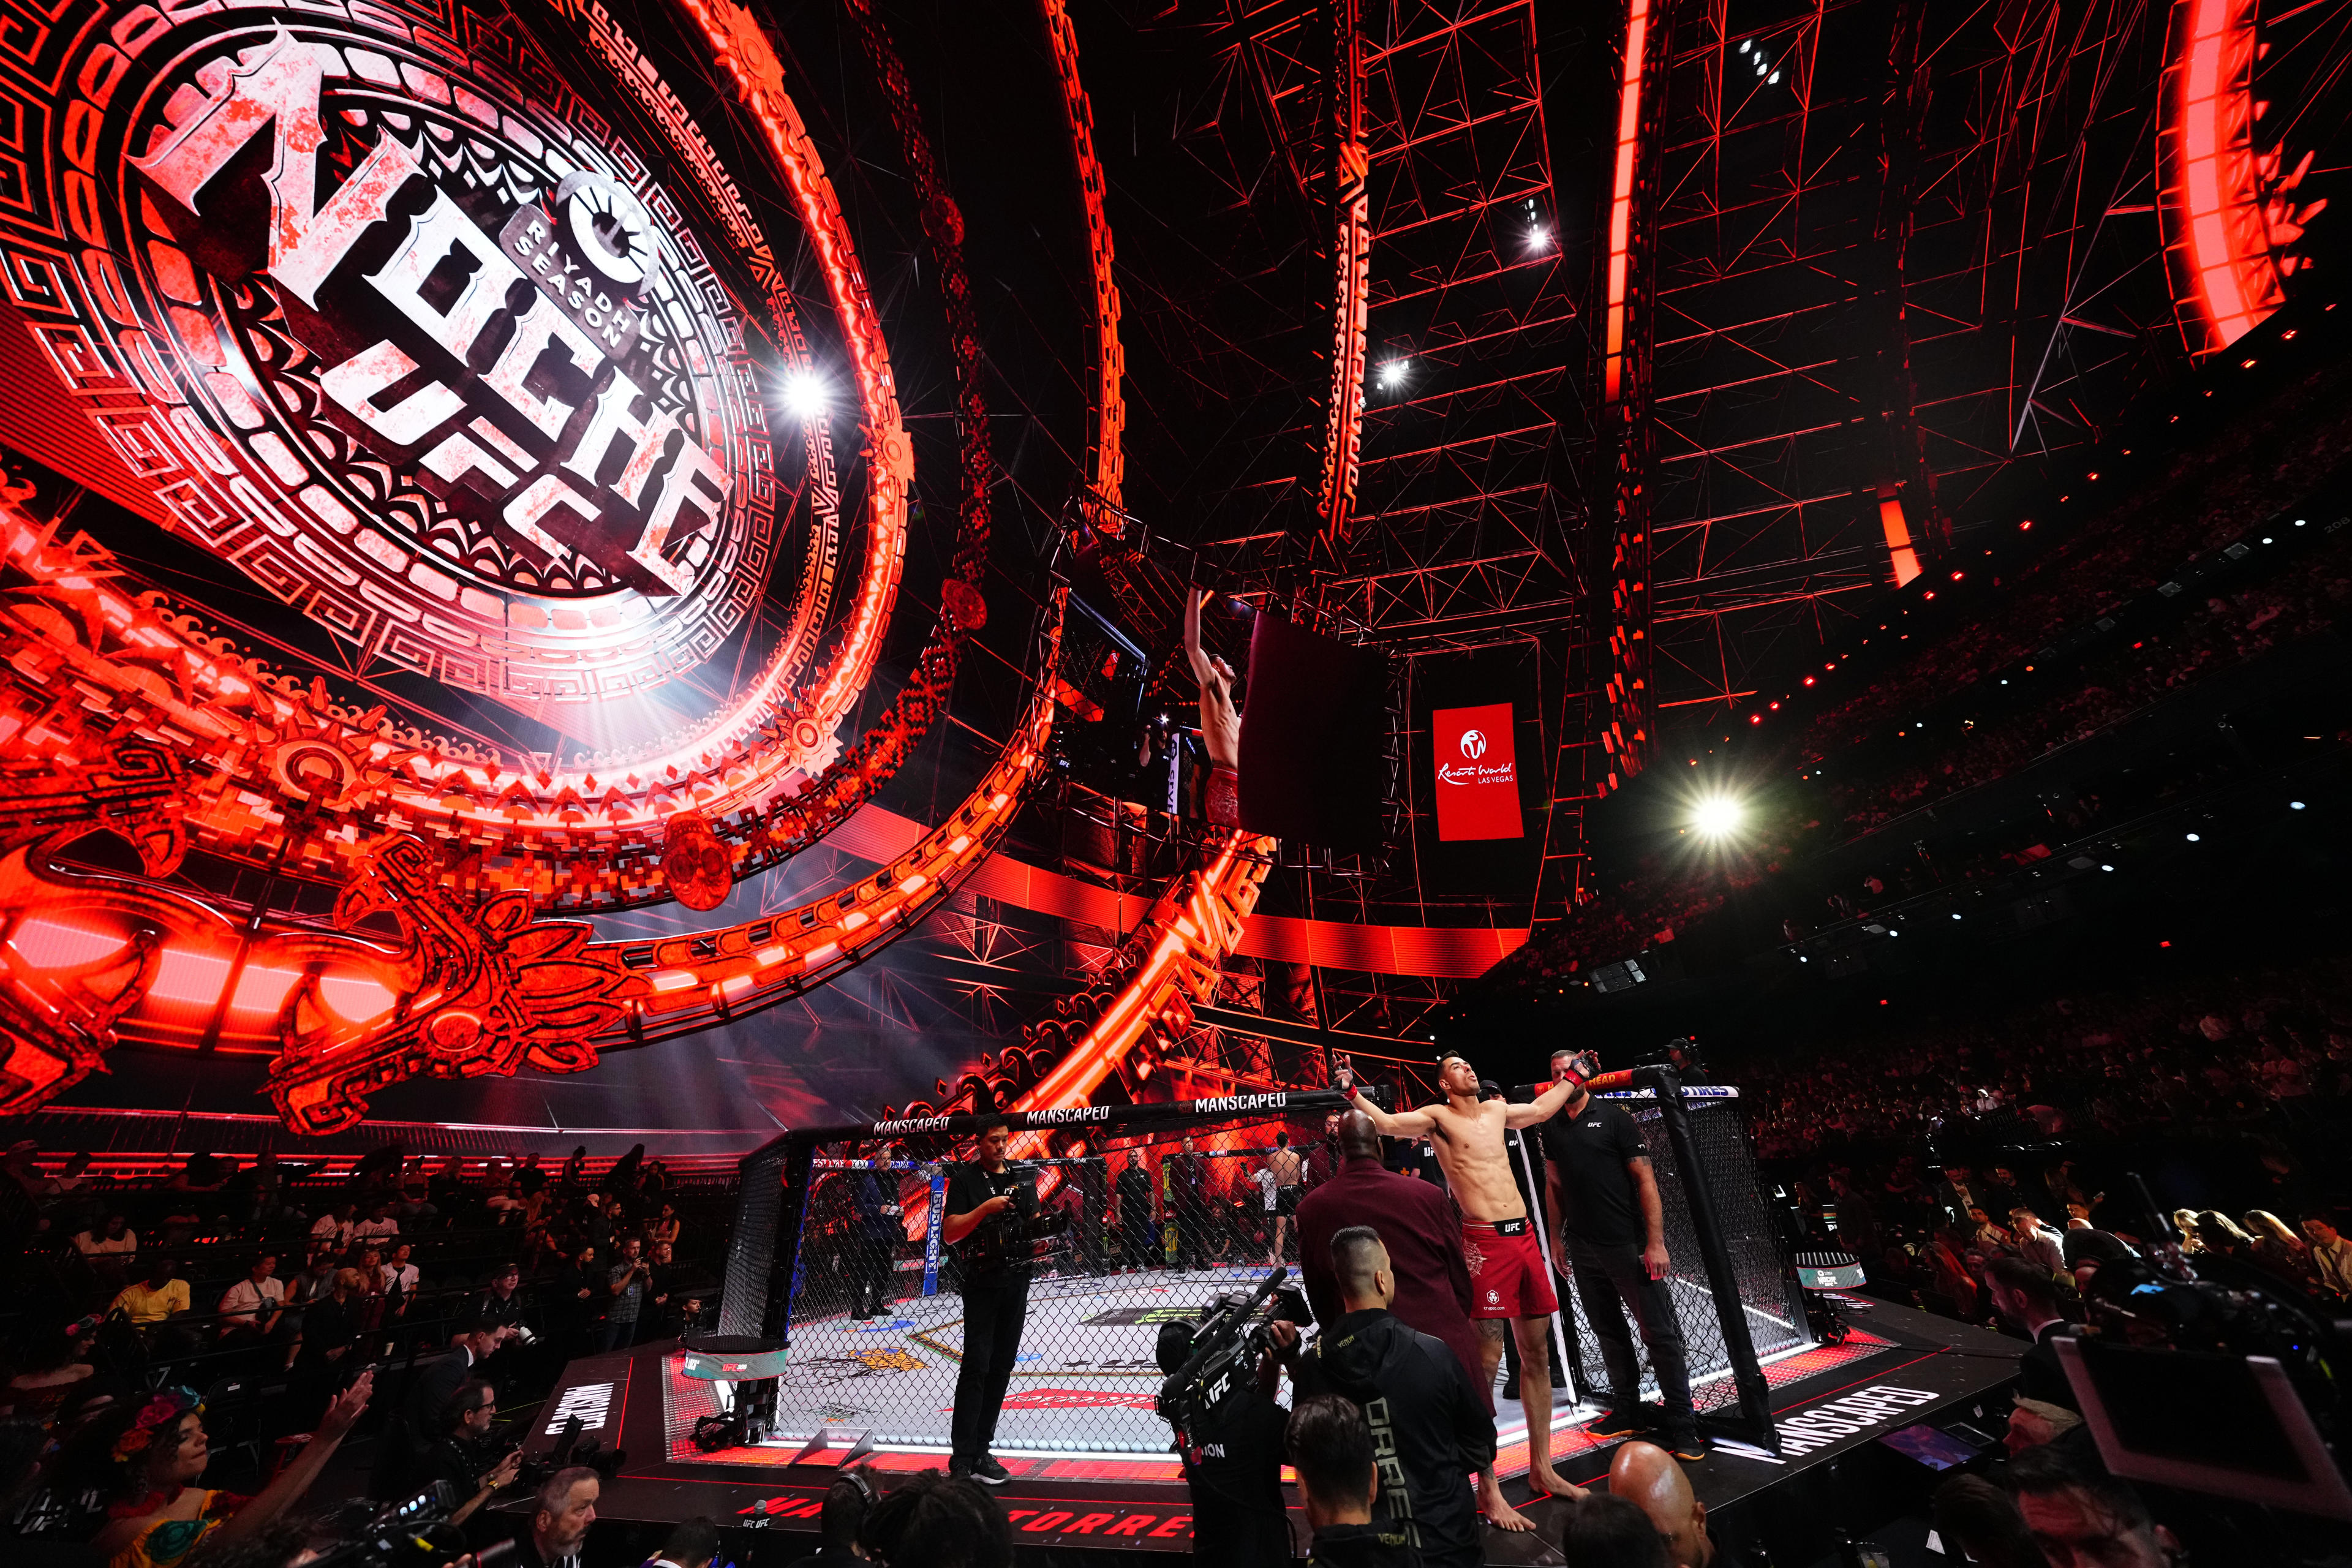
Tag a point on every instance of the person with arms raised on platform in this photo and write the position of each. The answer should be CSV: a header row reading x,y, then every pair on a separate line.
x,y
1330,1447
1509,1281
1421,1229
1612,1240
986,1200
1651,1479
1431,1429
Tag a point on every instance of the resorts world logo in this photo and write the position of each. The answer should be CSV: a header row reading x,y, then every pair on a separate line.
x,y
1473,745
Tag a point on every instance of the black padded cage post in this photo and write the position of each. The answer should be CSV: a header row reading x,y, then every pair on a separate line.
x,y
1698,1189
771,1181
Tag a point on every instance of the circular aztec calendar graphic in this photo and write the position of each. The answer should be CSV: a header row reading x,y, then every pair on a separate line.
x,y
429,356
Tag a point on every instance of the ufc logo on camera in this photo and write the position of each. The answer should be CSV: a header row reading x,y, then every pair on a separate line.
x,y
1477,773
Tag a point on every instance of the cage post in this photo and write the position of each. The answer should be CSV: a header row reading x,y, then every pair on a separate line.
x,y
771,1183
1730,1311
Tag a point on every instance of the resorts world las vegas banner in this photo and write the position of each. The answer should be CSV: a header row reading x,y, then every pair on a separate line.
x,y
1477,774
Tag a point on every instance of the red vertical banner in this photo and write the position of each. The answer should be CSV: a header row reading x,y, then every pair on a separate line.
x,y
1477,773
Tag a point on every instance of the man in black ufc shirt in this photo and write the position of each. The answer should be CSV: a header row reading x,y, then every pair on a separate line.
x,y
1233,1470
988,1192
1604,1199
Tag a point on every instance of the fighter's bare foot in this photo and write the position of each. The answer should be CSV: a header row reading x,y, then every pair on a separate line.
x,y
1551,1483
1499,1513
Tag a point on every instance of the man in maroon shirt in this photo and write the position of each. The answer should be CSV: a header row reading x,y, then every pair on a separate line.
x,y
1422,1229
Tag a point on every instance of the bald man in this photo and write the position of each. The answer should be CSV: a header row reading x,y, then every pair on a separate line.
x,y
1651,1479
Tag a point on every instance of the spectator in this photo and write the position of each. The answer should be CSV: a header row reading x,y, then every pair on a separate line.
x,y
692,1543
665,1227
582,1290
331,1326
2080,1517
1423,1407
505,1204
2036,1243
336,1226
559,1526
1973,1514
114,1238
500,1302
1605,1531
678,1309
253,1307
529,1179
52,1373
1330,1447
2023,1294
2277,1249
846,1503
2034,1422
399,1275
575,1169
160,1295
379,1224
628,1284
937,1521
1653,1481
148,1457
2331,1255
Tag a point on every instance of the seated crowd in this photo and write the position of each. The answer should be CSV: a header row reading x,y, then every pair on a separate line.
x,y
264,1273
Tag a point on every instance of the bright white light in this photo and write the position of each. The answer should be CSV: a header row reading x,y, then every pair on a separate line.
x,y
1393,372
1716,815
2295,806
2106,868
1746,44
1955,916
2266,540
1538,238
2195,839
1774,78
804,394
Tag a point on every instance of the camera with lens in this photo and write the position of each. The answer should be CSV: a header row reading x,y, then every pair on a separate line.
x,y
415,1533
1221,1367
570,1450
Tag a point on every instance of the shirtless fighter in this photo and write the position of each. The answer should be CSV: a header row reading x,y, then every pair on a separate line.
x,y
1508,1276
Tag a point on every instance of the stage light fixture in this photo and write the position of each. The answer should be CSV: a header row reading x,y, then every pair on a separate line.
x,y
1773,80
1956,914
2193,838
804,394
1746,45
2106,868
1392,373
1716,815
1538,236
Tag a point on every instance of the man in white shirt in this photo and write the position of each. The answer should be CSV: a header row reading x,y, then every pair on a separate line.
x,y
335,1226
378,1225
2036,1242
399,1274
2331,1255
252,1308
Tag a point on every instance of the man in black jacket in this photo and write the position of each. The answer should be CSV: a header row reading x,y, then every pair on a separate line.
x,y
1430,1428
1331,1446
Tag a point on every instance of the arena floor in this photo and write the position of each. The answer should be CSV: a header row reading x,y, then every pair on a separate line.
x,y
1086,1378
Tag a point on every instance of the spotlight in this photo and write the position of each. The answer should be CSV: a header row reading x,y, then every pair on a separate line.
x,y
2106,868
804,394
1716,815
1746,44
1956,914
2295,806
1392,373
1774,79
2193,838
1538,238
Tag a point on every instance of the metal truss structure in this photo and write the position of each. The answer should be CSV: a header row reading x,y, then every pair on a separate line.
x,y
1904,256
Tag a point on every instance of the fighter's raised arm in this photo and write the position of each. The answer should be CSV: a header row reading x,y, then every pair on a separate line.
x,y
1562,1093
1401,1124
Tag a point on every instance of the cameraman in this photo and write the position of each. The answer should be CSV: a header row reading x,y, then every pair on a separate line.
x,y
465,1455
1233,1467
988,1191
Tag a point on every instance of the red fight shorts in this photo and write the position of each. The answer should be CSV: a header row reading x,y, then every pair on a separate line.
x,y
1508,1276
1223,800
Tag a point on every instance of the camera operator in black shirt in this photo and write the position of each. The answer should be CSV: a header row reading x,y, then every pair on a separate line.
x,y
1232,1467
466,1456
988,1203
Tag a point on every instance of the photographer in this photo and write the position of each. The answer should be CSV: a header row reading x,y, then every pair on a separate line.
x,y
984,1193
1430,1428
1232,1464
464,1455
1331,1448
